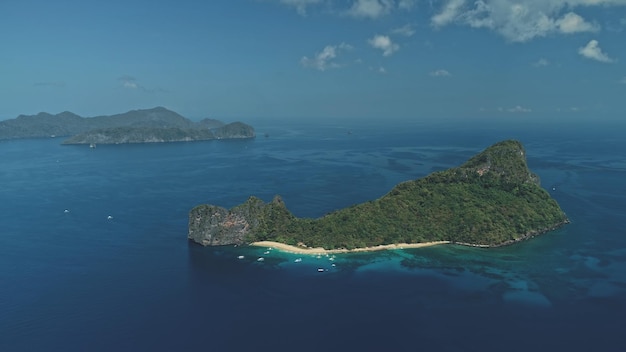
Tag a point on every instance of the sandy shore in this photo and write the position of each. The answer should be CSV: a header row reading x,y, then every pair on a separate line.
x,y
319,250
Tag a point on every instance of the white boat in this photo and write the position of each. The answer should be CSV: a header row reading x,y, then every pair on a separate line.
x,y
320,270
240,257
260,259
298,260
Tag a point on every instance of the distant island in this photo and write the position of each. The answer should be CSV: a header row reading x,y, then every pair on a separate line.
x,y
491,200
137,126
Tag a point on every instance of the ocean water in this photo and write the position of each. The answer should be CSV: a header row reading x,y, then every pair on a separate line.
x,y
94,254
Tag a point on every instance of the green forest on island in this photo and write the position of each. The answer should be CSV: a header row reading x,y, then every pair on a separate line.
x,y
491,200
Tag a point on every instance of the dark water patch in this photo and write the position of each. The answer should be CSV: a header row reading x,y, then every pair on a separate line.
x,y
396,166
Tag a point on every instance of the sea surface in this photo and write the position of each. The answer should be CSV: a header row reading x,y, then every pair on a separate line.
x,y
94,253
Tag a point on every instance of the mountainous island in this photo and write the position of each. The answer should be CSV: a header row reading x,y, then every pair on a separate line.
x,y
491,200
137,126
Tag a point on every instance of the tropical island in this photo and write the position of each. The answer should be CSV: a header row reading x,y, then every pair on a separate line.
x,y
136,126
491,200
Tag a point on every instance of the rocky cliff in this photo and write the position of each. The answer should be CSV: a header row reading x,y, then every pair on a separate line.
x,y
211,225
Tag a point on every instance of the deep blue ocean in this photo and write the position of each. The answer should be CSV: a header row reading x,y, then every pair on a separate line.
x,y
78,280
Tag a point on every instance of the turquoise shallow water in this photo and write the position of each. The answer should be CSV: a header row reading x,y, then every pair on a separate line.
x,y
77,280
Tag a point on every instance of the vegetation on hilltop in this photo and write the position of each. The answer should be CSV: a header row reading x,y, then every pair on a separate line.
x,y
117,135
145,134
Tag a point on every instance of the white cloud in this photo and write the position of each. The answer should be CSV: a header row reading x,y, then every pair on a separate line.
x,y
406,30
300,5
129,82
448,13
541,63
370,8
592,51
573,23
406,4
385,44
520,21
324,59
519,109
379,69
440,73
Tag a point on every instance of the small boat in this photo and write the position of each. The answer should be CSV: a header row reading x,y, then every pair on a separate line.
x,y
92,145
66,211
240,257
320,270
266,252
109,217
298,260
260,259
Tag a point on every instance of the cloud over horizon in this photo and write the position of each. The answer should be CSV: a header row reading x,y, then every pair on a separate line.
x,y
384,43
129,82
407,30
370,8
519,21
592,51
519,109
300,5
440,73
323,60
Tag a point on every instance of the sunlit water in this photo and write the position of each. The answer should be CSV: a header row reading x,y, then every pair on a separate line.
x,y
94,254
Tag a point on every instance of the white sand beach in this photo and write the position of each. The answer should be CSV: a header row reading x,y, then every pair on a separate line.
x,y
319,250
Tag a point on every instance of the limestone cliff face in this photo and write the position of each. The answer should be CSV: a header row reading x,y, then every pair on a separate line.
x,y
210,225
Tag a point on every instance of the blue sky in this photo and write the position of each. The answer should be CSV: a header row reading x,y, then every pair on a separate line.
x,y
316,59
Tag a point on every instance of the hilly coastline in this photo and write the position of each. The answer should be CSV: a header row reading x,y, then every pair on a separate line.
x,y
137,126
491,200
